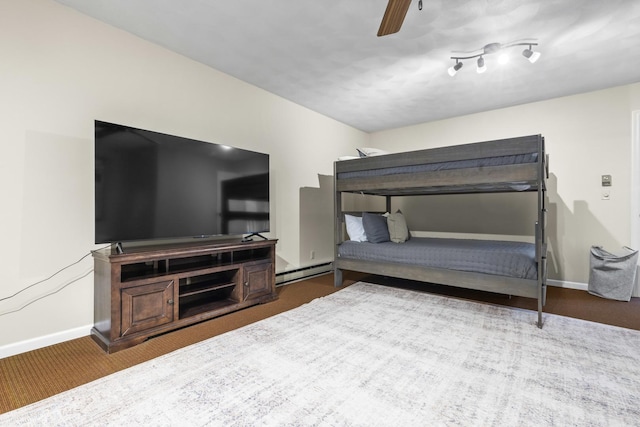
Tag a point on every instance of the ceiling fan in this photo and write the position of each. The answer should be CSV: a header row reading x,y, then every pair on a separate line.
x,y
394,16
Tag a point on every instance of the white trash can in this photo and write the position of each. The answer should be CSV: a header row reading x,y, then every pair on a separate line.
x,y
612,276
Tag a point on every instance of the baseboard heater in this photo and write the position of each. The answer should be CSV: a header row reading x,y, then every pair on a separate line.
x,y
303,273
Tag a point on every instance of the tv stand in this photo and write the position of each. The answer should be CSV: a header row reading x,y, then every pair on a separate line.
x,y
149,291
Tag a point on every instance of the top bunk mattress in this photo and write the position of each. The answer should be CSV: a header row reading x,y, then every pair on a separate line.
x,y
503,258
506,165
441,166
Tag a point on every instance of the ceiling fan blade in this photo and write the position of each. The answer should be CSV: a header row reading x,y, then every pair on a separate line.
x,y
393,17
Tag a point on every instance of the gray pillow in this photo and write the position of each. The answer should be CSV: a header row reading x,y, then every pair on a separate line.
x,y
397,225
375,227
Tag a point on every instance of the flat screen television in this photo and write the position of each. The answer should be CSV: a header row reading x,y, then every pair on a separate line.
x,y
150,185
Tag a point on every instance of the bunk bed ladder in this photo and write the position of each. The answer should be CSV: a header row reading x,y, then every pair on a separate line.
x,y
540,235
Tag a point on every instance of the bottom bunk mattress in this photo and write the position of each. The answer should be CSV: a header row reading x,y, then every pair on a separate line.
x,y
512,259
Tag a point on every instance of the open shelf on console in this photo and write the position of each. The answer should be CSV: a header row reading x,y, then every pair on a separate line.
x,y
199,262
142,270
193,308
199,289
252,254
202,293
148,269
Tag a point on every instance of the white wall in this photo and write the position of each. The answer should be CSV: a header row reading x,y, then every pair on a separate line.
x,y
60,71
586,135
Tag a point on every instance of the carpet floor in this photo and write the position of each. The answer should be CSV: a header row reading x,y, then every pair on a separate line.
x,y
374,355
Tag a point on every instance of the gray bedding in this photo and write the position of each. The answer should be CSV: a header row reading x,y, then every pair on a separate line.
x,y
429,167
512,259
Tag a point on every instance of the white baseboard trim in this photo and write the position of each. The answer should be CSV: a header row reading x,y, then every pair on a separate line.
x,y
47,340
302,273
568,285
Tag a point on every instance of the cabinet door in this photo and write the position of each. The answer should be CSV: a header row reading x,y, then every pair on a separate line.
x,y
258,280
146,306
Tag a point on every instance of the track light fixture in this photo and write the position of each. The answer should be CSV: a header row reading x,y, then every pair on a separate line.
x,y
528,53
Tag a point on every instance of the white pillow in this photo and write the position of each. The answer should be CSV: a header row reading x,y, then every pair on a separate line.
x,y
368,152
355,230
348,157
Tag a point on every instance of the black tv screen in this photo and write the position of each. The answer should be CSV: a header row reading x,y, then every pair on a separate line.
x,y
150,185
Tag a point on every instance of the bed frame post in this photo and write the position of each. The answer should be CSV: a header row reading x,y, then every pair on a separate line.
x,y
337,236
541,244
337,277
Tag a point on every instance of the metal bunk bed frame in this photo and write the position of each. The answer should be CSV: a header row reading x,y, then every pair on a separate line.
x,y
481,179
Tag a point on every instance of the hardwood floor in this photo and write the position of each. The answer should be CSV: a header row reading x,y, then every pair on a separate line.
x,y
41,373
566,302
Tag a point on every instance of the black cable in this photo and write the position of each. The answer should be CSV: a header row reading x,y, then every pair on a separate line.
x,y
46,295
53,275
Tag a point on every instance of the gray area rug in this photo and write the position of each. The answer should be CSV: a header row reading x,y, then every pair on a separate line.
x,y
371,355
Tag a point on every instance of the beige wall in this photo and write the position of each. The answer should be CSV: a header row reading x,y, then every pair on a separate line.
x,y
59,72
586,135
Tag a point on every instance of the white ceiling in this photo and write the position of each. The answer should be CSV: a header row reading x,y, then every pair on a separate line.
x,y
325,55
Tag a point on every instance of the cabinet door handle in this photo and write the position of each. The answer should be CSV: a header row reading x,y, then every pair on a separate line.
x,y
246,283
170,302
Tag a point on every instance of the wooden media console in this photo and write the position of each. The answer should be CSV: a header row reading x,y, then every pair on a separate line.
x,y
149,291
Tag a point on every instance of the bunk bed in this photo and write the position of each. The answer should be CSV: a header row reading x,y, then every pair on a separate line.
x,y
507,165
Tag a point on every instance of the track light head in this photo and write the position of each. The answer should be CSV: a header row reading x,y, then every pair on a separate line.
x,y
531,55
481,67
454,68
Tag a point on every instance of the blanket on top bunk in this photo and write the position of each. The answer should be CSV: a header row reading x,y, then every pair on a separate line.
x,y
512,259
